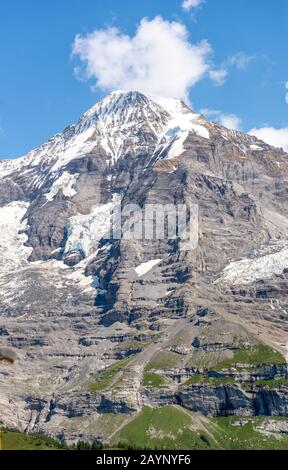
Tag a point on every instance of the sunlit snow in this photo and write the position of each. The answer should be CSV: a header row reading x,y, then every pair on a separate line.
x,y
13,253
248,271
182,122
85,231
144,268
255,147
65,183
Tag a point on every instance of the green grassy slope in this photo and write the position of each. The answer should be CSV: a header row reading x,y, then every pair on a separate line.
x,y
161,428
14,440
171,428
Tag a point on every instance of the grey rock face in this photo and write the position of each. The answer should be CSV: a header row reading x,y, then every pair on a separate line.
x,y
229,400
222,400
241,374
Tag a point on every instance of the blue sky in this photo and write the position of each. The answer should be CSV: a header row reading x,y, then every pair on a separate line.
x,y
40,93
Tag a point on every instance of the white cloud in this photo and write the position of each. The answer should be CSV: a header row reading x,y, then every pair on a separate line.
x,y
231,121
159,59
286,97
189,4
240,60
218,76
272,136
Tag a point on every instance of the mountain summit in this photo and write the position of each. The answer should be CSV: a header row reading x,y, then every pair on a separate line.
x,y
100,325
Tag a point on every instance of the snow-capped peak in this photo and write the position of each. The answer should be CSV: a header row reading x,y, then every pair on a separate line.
x,y
122,122
116,103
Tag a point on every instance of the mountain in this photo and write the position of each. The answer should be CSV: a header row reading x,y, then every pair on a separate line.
x,y
100,327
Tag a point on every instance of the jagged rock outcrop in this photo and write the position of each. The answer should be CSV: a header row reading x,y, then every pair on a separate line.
x,y
229,400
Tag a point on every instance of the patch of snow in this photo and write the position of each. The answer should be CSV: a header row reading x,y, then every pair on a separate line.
x,y
78,277
255,147
85,231
65,182
59,150
57,250
51,274
144,268
182,122
76,146
8,166
248,271
13,253
276,305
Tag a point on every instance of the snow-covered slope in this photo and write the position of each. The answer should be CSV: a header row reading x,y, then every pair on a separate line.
x,y
144,268
182,121
13,253
85,231
247,271
120,122
65,183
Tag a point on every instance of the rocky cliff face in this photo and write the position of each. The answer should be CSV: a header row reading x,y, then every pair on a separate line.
x,y
74,300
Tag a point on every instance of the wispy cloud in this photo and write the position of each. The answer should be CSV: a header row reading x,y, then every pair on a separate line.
x,y
272,136
240,60
187,5
286,96
231,121
219,76
159,59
